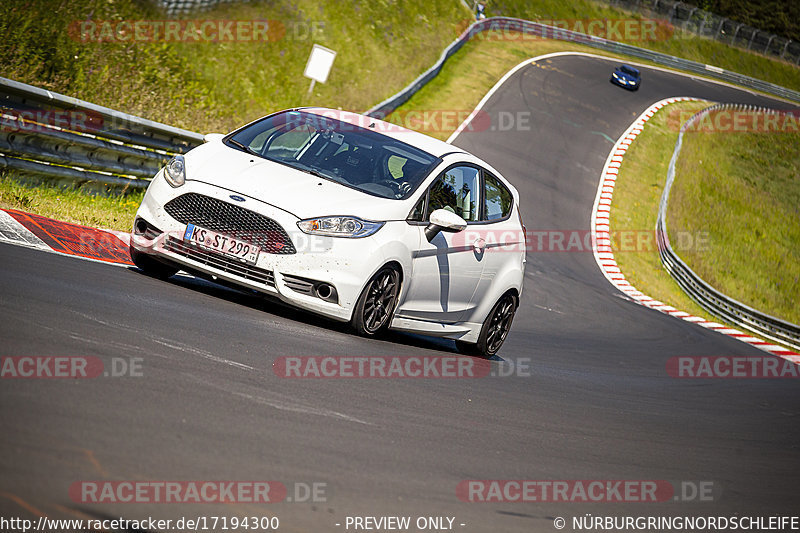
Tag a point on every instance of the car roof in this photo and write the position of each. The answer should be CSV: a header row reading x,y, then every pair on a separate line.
x,y
633,69
419,140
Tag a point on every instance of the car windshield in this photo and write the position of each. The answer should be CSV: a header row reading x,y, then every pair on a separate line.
x,y
356,157
630,71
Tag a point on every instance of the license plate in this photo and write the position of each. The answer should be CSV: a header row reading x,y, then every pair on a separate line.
x,y
219,242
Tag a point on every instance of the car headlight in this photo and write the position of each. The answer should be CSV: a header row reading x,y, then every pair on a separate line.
x,y
614,74
175,171
352,227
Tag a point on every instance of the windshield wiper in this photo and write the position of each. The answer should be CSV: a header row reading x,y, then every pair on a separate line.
x,y
308,169
317,173
243,147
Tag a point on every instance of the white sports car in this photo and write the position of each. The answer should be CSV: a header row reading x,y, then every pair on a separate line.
x,y
346,216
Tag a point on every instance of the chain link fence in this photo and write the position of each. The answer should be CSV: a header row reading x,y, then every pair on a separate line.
x,y
180,7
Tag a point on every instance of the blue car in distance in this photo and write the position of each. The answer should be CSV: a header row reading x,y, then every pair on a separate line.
x,y
626,76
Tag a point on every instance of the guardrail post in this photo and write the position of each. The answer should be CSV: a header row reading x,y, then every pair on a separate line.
x,y
705,295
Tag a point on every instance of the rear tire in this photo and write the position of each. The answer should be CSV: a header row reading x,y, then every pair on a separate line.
x,y
375,306
150,266
494,330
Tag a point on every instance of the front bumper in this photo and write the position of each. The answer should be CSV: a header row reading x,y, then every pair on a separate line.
x,y
627,84
345,264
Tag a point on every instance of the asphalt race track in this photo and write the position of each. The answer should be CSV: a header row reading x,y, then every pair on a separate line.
x,y
598,404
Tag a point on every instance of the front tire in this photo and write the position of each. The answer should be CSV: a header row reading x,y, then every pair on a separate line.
x,y
375,306
495,328
151,266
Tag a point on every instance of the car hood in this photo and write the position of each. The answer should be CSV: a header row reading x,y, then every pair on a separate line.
x,y
627,77
301,194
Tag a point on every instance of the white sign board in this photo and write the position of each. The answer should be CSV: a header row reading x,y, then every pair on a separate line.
x,y
319,63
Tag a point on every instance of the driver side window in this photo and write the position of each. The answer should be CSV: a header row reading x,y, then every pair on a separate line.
x,y
458,191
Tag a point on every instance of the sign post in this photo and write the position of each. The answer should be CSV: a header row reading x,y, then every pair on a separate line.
x,y
319,65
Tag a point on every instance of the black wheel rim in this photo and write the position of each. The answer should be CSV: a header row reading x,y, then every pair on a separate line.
x,y
500,324
381,295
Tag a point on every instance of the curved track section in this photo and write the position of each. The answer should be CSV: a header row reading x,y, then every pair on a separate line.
x,y
598,403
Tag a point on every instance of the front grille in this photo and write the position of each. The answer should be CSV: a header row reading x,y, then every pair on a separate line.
x,y
220,262
240,223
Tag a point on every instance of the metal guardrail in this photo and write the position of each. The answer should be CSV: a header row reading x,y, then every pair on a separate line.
x,y
694,20
685,16
66,139
712,300
705,295
508,24
61,137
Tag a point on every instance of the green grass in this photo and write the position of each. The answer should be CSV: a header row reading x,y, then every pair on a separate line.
x,y
743,190
679,44
381,46
473,70
470,73
732,213
70,205
634,206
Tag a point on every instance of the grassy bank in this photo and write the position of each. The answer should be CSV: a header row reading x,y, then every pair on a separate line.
x,y
215,87
635,206
70,205
577,13
743,189
207,86
469,74
732,213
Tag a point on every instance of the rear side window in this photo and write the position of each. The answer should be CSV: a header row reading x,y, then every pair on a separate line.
x,y
497,199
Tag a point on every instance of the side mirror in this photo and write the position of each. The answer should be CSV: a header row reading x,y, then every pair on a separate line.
x,y
444,220
211,137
